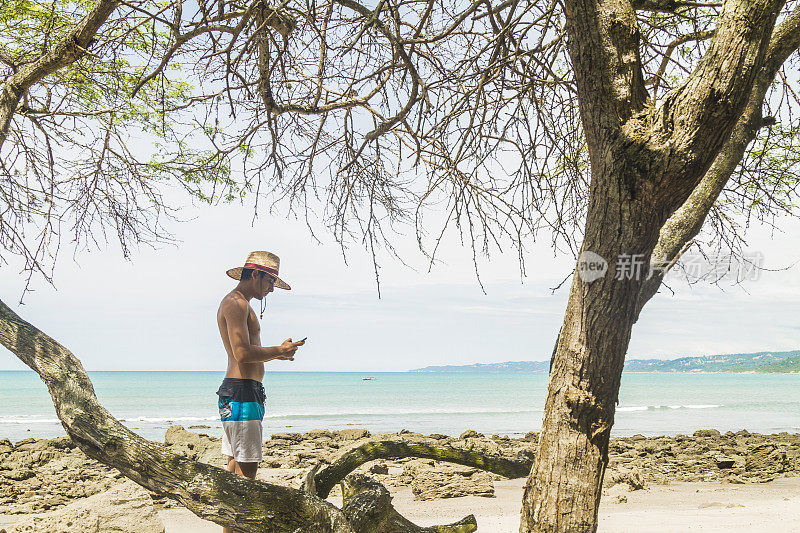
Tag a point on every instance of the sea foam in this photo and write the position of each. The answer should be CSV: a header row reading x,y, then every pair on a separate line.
x,y
654,407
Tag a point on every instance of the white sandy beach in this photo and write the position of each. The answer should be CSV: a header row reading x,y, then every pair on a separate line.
x,y
677,507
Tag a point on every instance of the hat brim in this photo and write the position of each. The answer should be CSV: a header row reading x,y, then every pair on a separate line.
x,y
236,273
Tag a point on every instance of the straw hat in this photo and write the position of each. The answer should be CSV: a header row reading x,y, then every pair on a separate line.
x,y
263,261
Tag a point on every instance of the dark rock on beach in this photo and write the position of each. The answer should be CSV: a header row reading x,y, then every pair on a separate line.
x,y
39,474
351,434
317,433
379,468
707,433
125,507
431,480
724,462
5,447
195,446
292,437
768,458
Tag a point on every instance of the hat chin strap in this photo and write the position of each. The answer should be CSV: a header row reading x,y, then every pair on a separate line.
x,y
263,298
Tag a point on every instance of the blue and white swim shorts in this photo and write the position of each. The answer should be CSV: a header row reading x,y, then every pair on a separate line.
x,y
241,409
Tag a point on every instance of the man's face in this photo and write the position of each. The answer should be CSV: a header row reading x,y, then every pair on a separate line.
x,y
266,284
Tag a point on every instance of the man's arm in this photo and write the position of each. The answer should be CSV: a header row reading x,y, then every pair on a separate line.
x,y
235,313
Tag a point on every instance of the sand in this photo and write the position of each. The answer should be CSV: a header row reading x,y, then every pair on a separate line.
x,y
709,507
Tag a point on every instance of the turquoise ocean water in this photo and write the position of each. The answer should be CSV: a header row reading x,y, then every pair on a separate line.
x,y
510,404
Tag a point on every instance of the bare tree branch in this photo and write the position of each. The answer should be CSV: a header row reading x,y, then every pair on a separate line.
x,y
71,48
670,6
348,460
698,116
687,221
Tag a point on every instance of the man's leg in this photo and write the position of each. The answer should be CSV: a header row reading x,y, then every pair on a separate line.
x,y
243,469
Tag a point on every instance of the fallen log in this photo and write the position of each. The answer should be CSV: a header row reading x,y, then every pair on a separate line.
x,y
325,478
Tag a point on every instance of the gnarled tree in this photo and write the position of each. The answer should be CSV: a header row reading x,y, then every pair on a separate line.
x,y
621,127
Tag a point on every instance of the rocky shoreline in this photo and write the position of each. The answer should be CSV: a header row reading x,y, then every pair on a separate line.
x,y
44,475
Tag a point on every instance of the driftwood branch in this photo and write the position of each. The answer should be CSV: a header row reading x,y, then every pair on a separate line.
x,y
367,504
325,478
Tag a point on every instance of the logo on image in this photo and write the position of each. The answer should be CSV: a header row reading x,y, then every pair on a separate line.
x,y
591,266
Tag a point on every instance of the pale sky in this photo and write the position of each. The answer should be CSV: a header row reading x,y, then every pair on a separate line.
x,y
157,312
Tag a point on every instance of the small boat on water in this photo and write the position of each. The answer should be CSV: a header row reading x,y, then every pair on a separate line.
x,y
370,378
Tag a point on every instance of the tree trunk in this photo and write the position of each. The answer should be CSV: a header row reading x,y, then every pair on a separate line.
x,y
563,488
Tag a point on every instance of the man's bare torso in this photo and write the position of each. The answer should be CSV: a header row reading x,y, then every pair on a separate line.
x,y
235,368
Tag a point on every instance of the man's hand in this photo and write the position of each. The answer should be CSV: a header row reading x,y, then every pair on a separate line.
x,y
288,348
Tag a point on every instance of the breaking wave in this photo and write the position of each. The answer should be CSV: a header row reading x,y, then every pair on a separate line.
x,y
657,407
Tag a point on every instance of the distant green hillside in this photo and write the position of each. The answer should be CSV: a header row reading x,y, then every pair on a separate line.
x,y
736,362
791,364
766,362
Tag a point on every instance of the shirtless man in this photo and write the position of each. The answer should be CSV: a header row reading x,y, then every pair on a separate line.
x,y
241,395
